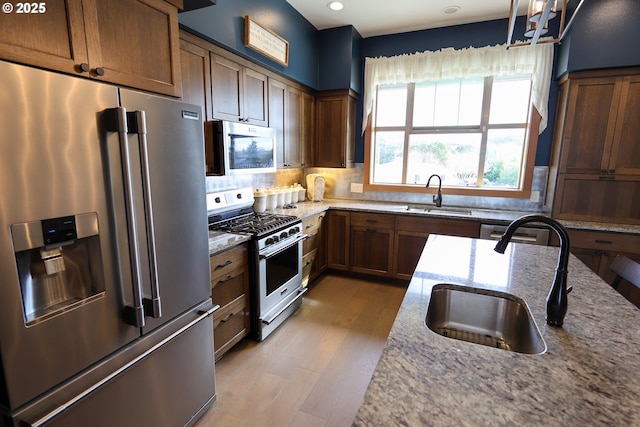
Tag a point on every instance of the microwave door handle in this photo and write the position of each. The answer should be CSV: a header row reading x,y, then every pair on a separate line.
x,y
138,122
133,315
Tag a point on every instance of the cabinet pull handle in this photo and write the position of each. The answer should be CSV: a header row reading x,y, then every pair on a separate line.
x,y
309,226
612,171
83,68
606,242
604,171
373,221
226,279
229,317
228,262
607,178
99,71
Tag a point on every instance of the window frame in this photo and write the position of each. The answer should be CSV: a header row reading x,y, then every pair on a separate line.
x,y
529,152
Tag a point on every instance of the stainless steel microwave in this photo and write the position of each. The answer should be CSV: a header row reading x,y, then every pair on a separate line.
x,y
239,148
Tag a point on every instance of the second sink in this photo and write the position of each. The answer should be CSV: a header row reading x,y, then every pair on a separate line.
x,y
481,316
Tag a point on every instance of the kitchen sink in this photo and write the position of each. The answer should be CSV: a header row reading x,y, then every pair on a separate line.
x,y
482,316
442,210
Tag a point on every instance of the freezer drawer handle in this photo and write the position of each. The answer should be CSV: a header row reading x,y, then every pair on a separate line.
x,y
137,121
202,314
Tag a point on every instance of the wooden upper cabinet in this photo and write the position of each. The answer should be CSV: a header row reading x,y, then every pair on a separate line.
x,y
239,94
129,42
308,112
196,77
289,115
53,40
335,125
601,129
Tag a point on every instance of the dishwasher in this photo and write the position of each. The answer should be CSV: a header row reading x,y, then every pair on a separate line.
x,y
530,235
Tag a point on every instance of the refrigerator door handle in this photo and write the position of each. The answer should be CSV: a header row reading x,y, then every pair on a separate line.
x,y
138,124
133,315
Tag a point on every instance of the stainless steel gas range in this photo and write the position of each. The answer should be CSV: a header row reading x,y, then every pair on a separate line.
x,y
275,256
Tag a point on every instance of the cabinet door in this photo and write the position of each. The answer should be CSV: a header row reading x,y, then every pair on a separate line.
x,y
590,125
254,107
409,246
134,43
53,40
320,262
308,128
335,137
196,77
277,95
293,127
338,240
371,250
226,88
625,155
602,198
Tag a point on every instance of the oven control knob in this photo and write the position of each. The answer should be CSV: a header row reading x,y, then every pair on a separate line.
x,y
270,241
293,231
284,235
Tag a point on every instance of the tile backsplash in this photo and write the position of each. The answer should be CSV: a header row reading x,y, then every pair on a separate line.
x,y
338,186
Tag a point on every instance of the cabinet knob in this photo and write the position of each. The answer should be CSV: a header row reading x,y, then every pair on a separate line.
x,y
604,171
83,68
99,71
612,171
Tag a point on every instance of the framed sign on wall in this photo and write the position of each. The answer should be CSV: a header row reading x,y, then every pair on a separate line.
x,y
265,42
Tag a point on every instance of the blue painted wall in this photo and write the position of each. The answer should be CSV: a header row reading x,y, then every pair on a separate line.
x,y
223,24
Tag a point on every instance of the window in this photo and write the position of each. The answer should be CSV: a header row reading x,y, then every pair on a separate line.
x,y
471,116
471,132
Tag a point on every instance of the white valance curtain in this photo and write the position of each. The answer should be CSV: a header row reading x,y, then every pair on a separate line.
x,y
465,63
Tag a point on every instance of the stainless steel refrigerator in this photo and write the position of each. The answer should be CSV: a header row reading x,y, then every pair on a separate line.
x,y
105,309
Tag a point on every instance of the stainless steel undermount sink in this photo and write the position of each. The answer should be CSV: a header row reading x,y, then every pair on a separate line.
x,y
442,210
481,316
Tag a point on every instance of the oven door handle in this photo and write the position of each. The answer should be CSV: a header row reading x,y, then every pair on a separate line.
x,y
272,318
267,255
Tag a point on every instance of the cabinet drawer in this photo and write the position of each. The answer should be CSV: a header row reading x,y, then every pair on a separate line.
x,y
223,263
605,241
230,325
227,288
310,225
372,220
307,264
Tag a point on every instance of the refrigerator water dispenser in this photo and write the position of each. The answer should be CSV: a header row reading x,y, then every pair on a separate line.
x,y
59,264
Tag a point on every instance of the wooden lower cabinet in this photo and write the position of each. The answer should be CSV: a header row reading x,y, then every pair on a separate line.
x,y
230,290
383,244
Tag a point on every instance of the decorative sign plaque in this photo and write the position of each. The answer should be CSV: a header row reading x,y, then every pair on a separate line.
x,y
266,42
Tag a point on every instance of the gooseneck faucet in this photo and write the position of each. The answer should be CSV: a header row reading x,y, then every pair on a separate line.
x,y
557,298
437,198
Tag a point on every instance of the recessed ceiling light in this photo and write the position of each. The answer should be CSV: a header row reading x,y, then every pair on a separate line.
x,y
335,5
451,9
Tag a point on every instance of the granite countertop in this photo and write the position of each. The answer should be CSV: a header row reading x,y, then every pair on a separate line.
x,y
587,376
219,241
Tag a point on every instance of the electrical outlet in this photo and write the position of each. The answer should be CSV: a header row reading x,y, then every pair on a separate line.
x,y
535,196
356,187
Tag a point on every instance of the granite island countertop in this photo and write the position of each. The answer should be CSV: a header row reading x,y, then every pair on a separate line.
x,y
589,375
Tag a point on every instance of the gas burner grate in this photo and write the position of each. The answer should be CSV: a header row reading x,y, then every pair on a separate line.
x,y
255,224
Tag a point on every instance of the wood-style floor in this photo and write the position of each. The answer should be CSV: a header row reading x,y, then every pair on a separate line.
x,y
315,368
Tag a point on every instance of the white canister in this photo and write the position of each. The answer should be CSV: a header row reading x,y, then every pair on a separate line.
x,y
259,201
280,194
302,192
287,195
272,199
294,194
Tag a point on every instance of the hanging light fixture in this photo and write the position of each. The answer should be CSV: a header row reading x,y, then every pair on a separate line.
x,y
539,12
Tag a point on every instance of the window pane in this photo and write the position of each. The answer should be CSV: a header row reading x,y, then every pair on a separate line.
x,y
424,104
510,101
392,106
503,162
387,162
448,103
452,156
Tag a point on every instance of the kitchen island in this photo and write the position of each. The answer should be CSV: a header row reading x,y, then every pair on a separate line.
x,y
589,374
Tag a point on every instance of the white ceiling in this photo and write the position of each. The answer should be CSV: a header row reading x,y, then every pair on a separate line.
x,y
379,17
